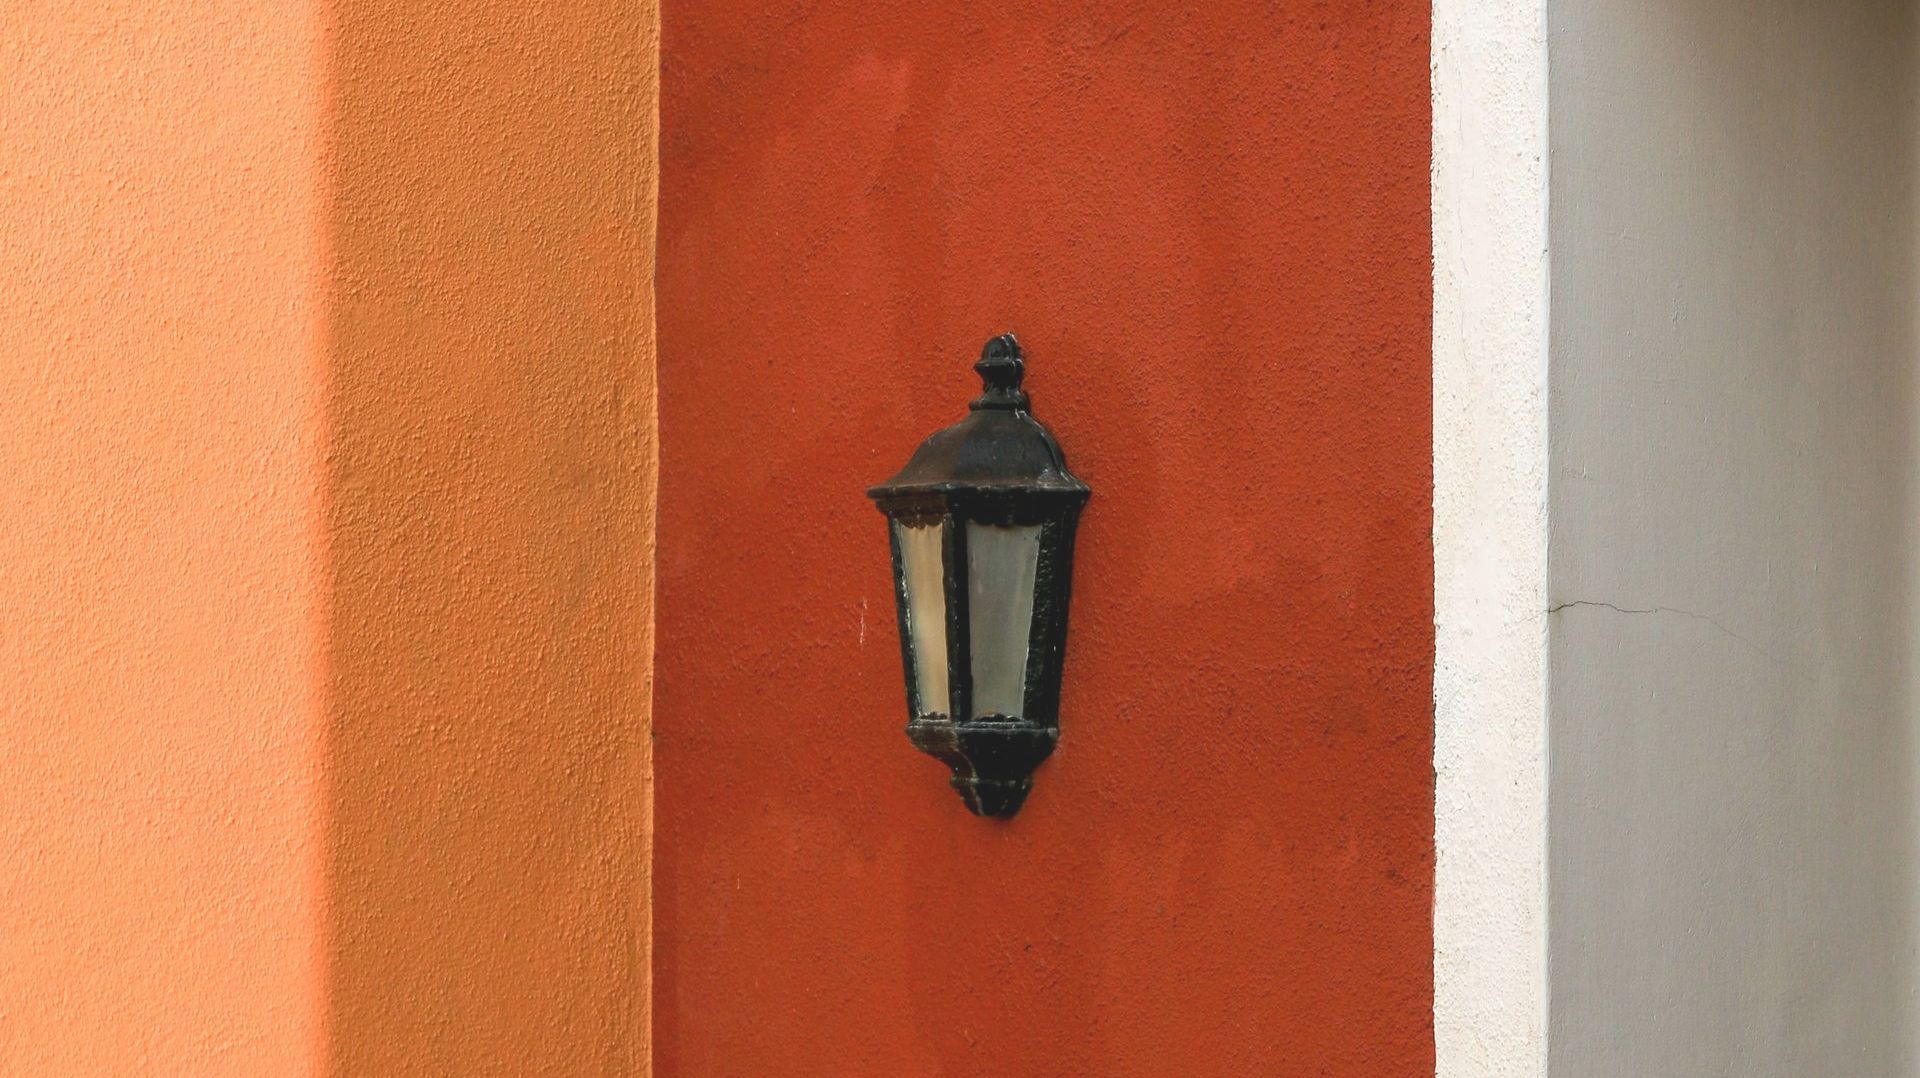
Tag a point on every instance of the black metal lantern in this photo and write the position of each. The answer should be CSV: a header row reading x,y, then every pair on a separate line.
x,y
982,521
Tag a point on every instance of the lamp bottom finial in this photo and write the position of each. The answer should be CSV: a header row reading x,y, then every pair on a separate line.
x,y
992,758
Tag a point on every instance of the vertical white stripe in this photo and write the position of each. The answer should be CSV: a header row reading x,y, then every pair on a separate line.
x,y
1490,536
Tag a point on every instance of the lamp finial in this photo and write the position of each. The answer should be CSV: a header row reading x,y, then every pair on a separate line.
x,y
1001,369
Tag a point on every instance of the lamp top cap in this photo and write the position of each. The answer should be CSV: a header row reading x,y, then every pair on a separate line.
x,y
1002,367
998,449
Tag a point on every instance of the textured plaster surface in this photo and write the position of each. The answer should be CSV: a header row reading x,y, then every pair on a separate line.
x,y
162,716
1209,225
1733,355
490,477
1490,536
326,465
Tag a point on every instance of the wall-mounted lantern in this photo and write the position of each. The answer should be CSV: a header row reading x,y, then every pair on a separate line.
x,y
982,520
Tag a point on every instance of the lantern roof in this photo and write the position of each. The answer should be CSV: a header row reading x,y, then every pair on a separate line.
x,y
999,448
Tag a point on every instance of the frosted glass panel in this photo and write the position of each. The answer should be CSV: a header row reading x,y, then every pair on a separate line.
x,y
1001,564
924,567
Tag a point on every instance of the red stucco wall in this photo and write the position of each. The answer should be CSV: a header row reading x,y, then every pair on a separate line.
x,y
1209,225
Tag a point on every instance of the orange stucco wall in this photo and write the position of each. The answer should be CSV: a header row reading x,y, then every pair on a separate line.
x,y
1209,225
162,652
491,484
325,523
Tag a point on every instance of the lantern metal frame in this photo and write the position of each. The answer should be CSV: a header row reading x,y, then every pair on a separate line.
x,y
998,467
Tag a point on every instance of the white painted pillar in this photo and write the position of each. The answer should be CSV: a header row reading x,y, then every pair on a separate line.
x,y
1490,536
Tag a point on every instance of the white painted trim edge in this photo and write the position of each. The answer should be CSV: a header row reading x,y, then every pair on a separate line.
x,y
1490,537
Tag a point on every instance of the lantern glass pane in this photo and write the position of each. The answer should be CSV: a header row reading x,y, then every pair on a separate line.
x,y
923,568
1002,563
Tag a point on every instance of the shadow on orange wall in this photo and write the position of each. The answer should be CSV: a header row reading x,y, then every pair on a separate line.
x,y
490,475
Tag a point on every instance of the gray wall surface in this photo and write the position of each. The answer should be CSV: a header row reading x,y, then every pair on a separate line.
x,y
1732,459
